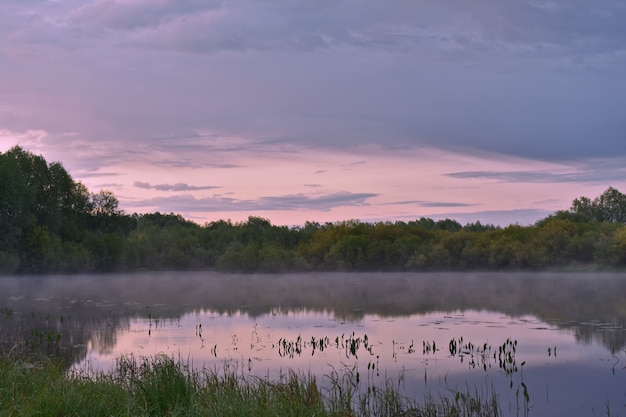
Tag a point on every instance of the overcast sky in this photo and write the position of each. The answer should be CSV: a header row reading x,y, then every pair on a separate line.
x,y
322,110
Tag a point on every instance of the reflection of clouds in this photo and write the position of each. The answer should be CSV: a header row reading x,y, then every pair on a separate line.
x,y
253,346
244,317
589,303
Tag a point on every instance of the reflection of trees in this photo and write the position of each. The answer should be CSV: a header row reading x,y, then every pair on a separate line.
x,y
103,337
65,336
610,335
94,307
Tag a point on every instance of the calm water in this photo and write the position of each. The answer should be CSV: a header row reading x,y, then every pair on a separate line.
x,y
559,336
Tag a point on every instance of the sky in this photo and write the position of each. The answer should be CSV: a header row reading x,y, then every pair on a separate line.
x,y
495,111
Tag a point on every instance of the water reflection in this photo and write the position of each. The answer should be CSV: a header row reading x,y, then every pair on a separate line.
x,y
537,338
526,360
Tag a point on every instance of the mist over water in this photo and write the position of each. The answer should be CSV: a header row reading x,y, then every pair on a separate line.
x,y
428,332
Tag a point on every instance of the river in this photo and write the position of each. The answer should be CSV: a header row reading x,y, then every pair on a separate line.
x,y
547,343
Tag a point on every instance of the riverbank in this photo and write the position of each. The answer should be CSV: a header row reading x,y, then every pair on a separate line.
x,y
161,386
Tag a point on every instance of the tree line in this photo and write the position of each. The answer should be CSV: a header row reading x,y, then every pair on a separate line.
x,y
50,223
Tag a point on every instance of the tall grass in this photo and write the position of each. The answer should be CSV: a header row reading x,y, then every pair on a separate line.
x,y
161,386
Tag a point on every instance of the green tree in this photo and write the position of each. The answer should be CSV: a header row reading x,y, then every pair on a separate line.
x,y
239,258
104,203
619,240
585,207
610,207
16,202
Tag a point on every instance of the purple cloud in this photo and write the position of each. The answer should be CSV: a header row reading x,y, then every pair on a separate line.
x,y
173,187
324,202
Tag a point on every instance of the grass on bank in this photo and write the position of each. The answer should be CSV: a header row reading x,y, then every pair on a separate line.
x,y
160,386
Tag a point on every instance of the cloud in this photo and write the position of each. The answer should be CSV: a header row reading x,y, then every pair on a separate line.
x,y
191,163
599,174
356,163
173,187
107,185
422,203
319,202
572,26
137,14
189,203
206,26
269,88
98,174
534,79
443,204
575,24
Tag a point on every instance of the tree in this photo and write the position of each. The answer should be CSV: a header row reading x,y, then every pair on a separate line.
x,y
610,207
22,179
104,203
584,206
449,225
35,191
16,201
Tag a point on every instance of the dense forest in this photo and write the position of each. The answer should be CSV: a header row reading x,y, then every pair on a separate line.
x,y
51,223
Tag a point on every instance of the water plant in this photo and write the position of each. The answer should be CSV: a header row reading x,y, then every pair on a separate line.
x,y
483,356
350,345
6,312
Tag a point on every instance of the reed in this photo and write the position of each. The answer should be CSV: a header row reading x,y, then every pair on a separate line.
x,y
162,386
